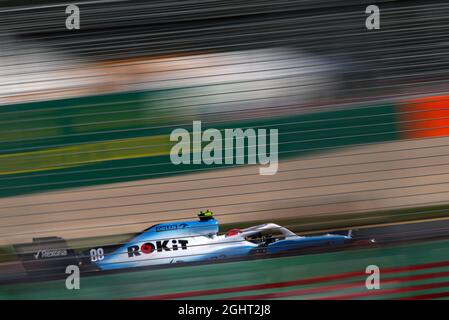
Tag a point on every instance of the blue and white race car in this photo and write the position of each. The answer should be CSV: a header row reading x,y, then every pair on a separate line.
x,y
186,242
196,241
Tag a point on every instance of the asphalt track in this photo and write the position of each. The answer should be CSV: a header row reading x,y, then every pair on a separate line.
x,y
358,180
385,235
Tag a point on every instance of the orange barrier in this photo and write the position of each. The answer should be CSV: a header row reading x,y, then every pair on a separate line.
x,y
424,117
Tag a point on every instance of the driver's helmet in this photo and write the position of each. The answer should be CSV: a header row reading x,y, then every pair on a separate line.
x,y
206,215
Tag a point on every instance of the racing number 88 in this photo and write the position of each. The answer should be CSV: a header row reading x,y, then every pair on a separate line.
x,y
96,254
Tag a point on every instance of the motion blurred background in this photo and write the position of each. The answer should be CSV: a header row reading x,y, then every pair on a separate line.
x,y
363,117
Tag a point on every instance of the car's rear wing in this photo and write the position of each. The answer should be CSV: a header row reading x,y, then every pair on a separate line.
x,y
49,255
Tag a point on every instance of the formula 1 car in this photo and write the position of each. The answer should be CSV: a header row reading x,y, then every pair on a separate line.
x,y
175,242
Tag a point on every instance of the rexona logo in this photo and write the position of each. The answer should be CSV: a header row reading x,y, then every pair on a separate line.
x,y
169,227
160,246
50,253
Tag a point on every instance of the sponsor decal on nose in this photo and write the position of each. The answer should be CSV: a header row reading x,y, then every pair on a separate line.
x,y
147,248
160,246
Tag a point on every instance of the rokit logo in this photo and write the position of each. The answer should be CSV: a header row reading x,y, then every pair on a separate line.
x,y
50,253
160,246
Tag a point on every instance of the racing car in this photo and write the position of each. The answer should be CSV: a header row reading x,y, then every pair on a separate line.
x,y
176,242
